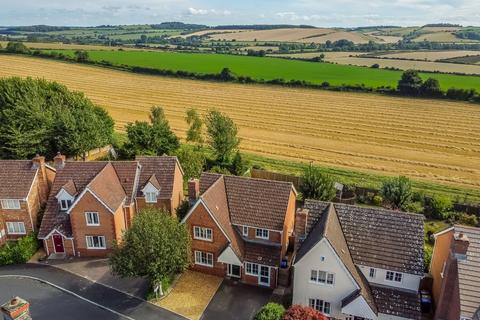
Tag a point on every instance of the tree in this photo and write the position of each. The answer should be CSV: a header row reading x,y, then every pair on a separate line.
x,y
318,185
397,192
226,75
143,38
16,47
270,311
239,166
81,56
431,88
37,116
222,135
410,83
194,133
299,312
192,161
154,138
156,246
441,206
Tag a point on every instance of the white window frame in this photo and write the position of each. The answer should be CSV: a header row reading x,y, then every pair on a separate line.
x,y
202,233
16,227
264,233
67,205
320,305
2,233
151,197
92,242
252,266
90,214
11,204
372,273
315,277
245,231
393,275
199,255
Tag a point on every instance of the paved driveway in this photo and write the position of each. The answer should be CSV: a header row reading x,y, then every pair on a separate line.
x,y
236,301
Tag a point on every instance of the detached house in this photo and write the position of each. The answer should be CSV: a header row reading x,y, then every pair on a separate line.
x,y
358,263
455,269
24,188
241,227
92,203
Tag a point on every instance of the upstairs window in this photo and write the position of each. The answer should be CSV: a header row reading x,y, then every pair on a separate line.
x,y
201,233
151,197
16,228
373,273
262,233
322,277
393,276
92,218
10,204
245,231
65,204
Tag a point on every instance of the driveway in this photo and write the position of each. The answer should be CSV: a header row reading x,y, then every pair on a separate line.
x,y
236,301
118,302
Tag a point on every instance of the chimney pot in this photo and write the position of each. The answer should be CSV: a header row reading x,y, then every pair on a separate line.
x,y
38,161
460,245
193,190
59,160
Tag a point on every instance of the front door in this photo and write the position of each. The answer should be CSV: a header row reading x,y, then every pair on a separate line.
x,y
264,276
58,243
233,270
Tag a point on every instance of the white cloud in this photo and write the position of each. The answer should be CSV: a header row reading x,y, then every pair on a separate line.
x,y
204,12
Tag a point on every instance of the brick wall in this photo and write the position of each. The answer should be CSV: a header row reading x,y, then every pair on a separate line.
x,y
161,204
177,193
17,215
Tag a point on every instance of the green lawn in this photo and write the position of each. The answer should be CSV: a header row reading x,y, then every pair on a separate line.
x,y
271,68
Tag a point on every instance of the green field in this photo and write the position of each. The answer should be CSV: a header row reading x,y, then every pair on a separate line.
x,y
271,68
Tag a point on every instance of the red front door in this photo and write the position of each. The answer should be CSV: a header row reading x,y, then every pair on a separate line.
x,y
58,243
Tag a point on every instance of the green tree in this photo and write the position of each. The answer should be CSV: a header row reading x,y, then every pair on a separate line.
x,y
441,206
431,88
227,75
143,38
317,184
410,83
397,192
192,161
156,246
194,133
270,311
16,47
81,56
239,166
222,135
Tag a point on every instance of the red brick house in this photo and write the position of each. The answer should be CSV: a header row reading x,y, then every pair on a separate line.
x,y
92,203
24,188
241,227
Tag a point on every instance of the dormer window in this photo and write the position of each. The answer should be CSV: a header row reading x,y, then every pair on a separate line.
x,y
64,197
65,204
151,190
150,197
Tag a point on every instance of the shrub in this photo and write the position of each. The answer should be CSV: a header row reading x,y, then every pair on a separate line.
x,y
182,209
397,192
270,311
377,200
16,252
375,66
317,184
298,312
415,207
441,206
465,218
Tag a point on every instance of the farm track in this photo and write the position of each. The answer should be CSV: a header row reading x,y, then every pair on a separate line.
x,y
431,140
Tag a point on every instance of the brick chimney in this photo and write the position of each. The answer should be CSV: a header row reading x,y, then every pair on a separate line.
x,y
59,161
460,246
38,162
193,190
16,308
301,218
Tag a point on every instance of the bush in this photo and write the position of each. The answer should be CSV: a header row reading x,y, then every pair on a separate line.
x,y
441,206
182,210
377,200
16,252
397,192
270,311
415,207
317,185
465,218
298,312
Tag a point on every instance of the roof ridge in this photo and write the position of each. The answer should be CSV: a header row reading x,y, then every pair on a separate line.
x,y
256,179
407,213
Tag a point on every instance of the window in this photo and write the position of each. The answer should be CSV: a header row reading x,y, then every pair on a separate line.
x,y
92,218
16,228
322,277
65,204
201,233
204,258
319,305
251,268
2,233
373,273
10,204
393,276
261,233
95,242
322,258
150,197
245,231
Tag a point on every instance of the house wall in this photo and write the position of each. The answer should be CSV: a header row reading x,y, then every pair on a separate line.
x,y
273,236
288,226
177,193
161,204
108,226
200,217
68,245
409,281
303,288
440,255
17,215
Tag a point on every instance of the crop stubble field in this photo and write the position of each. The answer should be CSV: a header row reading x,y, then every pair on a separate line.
x,y
429,140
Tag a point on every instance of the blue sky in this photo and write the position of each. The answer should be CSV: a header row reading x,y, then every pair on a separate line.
x,y
336,13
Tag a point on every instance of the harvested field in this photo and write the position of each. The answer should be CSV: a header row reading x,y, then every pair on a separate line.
x,y
441,37
288,35
355,37
387,39
430,55
429,140
209,31
62,46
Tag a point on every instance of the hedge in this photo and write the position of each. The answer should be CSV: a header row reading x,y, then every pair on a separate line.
x,y
20,251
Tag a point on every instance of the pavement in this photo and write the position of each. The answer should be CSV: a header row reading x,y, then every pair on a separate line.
x,y
122,304
236,301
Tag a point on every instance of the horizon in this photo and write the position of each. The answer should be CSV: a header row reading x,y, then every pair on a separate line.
x,y
341,14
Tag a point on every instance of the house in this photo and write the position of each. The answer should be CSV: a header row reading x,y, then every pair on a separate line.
x,y
358,263
241,227
92,203
455,269
24,188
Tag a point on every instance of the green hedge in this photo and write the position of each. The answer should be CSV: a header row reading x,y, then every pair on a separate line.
x,y
20,251
270,311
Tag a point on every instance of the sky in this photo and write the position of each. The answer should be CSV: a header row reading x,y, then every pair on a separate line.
x,y
330,13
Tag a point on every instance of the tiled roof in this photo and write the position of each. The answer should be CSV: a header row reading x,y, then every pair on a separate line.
x,y
107,187
262,254
207,180
254,202
70,187
164,170
376,237
328,226
397,302
16,178
469,272
128,172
